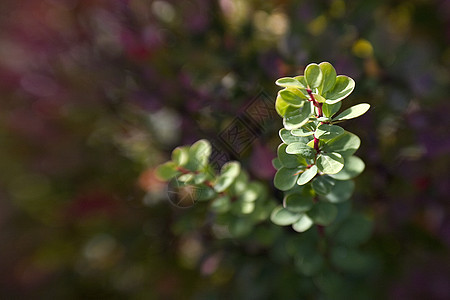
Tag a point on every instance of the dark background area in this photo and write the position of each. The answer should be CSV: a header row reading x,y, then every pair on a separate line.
x,y
95,94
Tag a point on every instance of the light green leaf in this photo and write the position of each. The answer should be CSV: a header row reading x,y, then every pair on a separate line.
x,y
199,155
285,178
302,81
290,83
307,175
329,76
322,185
353,166
240,227
180,156
313,75
302,149
167,171
287,160
341,191
302,132
297,203
283,217
288,138
281,106
319,98
276,163
228,174
346,144
343,87
297,117
328,132
353,112
293,97
330,163
330,109
323,213
303,224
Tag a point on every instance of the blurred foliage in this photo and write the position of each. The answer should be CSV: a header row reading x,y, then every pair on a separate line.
x,y
95,93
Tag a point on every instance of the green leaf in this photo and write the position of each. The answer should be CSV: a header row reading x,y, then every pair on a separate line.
x,y
287,137
297,117
343,87
353,166
290,83
346,144
329,76
285,178
313,75
203,193
330,163
341,191
297,203
330,109
322,185
307,175
302,132
353,112
292,97
186,178
283,217
199,155
287,160
302,81
180,156
228,174
319,98
281,106
302,149
221,204
276,163
242,207
303,224
167,171
328,132
323,213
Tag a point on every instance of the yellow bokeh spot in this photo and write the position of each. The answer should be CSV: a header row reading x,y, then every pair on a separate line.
x,y
318,25
337,8
362,48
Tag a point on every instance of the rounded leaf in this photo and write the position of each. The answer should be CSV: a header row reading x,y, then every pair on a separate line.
x,y
286,178
330,109
307,175
343,87
301,149
281,106
290,82
180,156
322,185
297,203
329,76
221,204
283,217
288,138
346,144
297,117
330,163
167,171
328,132
353,166
303,224
287,160
313,75
293,97
341,191
353,112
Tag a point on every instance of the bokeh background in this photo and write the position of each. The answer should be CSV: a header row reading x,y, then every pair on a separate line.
x,y
95,93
